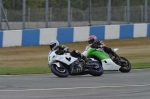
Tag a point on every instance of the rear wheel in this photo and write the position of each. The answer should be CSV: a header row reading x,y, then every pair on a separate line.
x,y
125,66
59,71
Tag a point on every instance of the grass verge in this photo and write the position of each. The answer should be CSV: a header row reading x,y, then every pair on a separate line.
x,y
23,70
33,59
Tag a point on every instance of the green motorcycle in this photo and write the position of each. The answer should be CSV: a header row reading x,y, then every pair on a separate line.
x,y
108,61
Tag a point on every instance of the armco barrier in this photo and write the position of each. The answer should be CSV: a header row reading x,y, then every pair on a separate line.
x,y
43,36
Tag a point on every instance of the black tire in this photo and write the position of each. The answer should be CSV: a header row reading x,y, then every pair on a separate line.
x,y
96,72
125,68
60,72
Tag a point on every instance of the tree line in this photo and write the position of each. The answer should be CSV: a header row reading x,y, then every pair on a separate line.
x,y
82,4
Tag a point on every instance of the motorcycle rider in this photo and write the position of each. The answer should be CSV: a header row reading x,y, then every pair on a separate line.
x,y
54,45
61,49
95,43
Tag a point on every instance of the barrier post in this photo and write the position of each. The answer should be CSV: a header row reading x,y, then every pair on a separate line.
x,y
109,12
128,11
0,14
46,14
24,14
69,13
145,8
90,5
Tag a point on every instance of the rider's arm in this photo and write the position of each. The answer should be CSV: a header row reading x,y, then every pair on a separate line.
x,y
65,48
97,44
58,50
62,49
102,43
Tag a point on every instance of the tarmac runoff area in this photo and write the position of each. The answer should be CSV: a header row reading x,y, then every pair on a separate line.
x,y
111,85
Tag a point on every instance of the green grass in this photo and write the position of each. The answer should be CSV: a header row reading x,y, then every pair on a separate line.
x,y
23,70
140,65
33,59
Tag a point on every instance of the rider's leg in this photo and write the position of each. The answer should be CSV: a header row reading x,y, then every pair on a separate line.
x,y
110,51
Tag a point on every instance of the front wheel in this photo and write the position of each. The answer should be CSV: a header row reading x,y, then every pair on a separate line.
x,y
125,66
59,71
96,70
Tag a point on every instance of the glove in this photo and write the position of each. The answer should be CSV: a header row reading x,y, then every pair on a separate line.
x,y
102,43
102,46
66,49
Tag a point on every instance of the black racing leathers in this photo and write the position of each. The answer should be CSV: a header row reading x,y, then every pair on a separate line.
x,y
77,54
61,49
97,44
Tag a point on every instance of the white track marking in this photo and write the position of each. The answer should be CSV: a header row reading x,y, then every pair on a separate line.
x,y
96,87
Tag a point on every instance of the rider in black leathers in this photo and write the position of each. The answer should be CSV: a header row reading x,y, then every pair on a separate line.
x,y
61,49
95,43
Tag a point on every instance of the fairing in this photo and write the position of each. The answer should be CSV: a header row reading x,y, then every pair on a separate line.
x,y
98,53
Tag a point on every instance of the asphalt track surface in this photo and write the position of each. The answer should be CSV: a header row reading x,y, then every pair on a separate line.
x,y
111,85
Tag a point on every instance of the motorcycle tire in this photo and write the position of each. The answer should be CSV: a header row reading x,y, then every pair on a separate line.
x,y
96,72
125,69
59,71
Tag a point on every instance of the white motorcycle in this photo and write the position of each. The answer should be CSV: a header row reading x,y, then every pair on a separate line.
x,y
64,65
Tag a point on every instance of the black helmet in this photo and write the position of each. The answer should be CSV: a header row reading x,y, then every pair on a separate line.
x,y
53,44
92,39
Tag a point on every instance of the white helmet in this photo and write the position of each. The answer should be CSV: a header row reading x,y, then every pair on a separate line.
x,y
53,44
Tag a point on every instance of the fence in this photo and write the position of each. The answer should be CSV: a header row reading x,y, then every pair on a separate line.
x,y
67,13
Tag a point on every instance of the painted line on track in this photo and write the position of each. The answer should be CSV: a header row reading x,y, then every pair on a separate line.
x,y
96,87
